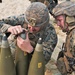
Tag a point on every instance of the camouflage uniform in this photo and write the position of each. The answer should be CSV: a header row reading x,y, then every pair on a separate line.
x,y
67,56
49,35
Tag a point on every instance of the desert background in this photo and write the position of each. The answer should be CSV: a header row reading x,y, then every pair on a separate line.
x,y
17,7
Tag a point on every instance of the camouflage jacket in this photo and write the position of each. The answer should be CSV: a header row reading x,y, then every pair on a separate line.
x,y
70,40
49,37
68,60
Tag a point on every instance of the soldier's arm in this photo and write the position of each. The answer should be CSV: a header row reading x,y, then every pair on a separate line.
x,y
49,43
11,21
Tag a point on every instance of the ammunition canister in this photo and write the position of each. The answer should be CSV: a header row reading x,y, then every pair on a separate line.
x,y
21,59
7,66
37,64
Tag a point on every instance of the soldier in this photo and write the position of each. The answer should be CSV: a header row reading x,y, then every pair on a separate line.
x,y
35,21
64,13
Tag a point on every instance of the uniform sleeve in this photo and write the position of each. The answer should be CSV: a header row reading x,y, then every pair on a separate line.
x,y
49,43
11,21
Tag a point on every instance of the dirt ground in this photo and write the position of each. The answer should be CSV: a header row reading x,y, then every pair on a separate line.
x,y
16,7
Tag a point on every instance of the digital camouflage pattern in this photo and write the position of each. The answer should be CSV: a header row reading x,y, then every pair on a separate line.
x,y
49,36
66,57
69,51
41,17
52,68
67,8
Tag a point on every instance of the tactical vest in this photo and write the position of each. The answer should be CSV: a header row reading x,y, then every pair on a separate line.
x,y
66,57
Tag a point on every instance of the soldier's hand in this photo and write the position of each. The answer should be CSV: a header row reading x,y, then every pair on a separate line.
x,y
24,44
15,29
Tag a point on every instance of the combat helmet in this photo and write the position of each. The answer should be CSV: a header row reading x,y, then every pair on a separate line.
x,y
37,14
67,8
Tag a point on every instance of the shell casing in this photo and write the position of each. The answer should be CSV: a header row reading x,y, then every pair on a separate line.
x,y
37,64
21,59
7,66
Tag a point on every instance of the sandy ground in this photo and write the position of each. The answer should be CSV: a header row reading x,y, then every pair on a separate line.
x,y
16,7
